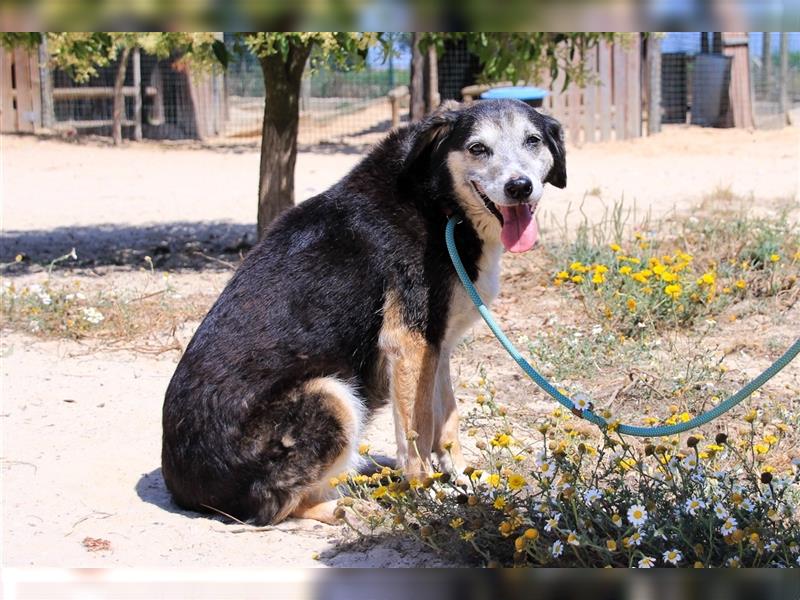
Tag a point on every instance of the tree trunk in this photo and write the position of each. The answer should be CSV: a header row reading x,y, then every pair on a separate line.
x,y
417,87
119,99
282,80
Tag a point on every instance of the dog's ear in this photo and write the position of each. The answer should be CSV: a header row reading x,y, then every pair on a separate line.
x,y
554,138
431,132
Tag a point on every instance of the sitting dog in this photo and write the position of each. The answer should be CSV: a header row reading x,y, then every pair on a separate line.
x,y
351,301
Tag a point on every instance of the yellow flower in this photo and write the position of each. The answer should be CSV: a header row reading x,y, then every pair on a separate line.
x,y
707,279
615,247
668,277
673,291
562,275
516,482
363,449
626,270
502,440
600,269
659,269
775,257
531,534
578,267
381,491
598,277
577,278
494,480
499,503
761,448
741,284
456,523
770,439
611,545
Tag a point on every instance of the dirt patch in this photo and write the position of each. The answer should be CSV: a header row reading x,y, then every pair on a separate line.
x,y
81,424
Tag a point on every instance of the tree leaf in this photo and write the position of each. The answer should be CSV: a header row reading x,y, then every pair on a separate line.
x,y
221,52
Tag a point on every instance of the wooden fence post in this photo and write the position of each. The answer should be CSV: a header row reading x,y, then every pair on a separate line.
x,y
783,84
137,98
604,74
653,85
620,90
590,97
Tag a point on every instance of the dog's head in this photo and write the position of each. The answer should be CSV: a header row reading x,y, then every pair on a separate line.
x,y
498,156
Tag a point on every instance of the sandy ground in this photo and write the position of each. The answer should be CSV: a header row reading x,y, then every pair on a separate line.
x,y
81,426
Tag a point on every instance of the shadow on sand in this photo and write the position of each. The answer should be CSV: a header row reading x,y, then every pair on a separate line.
x,y
188,245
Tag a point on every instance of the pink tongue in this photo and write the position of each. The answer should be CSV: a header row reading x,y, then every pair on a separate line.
x,y
519,228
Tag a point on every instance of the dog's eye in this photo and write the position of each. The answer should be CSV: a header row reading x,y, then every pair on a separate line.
x,y
477,149
532,140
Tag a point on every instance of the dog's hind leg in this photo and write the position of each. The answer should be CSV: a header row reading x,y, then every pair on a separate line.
x,y
317,499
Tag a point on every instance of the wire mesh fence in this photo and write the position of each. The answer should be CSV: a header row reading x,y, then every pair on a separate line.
x,y
775,74
704,80
697,69
336,106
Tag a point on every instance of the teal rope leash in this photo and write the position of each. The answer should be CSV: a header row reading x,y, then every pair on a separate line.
x,y
588,414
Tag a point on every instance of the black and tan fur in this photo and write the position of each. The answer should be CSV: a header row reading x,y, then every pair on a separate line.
x,y
350,301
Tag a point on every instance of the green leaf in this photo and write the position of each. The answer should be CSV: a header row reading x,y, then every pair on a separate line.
x,y
221,52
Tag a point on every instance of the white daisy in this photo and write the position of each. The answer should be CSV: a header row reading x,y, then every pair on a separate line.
x,y
748,505
729,526
693,505
547,470
672,556
720,511
592,495
647,562
557,549
552,522
771,546
572,539
581,401
636,538
92,315
637,515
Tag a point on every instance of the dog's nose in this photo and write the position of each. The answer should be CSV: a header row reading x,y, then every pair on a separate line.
x,y
519,188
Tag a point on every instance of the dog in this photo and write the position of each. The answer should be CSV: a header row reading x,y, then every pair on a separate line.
x,y
348,302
